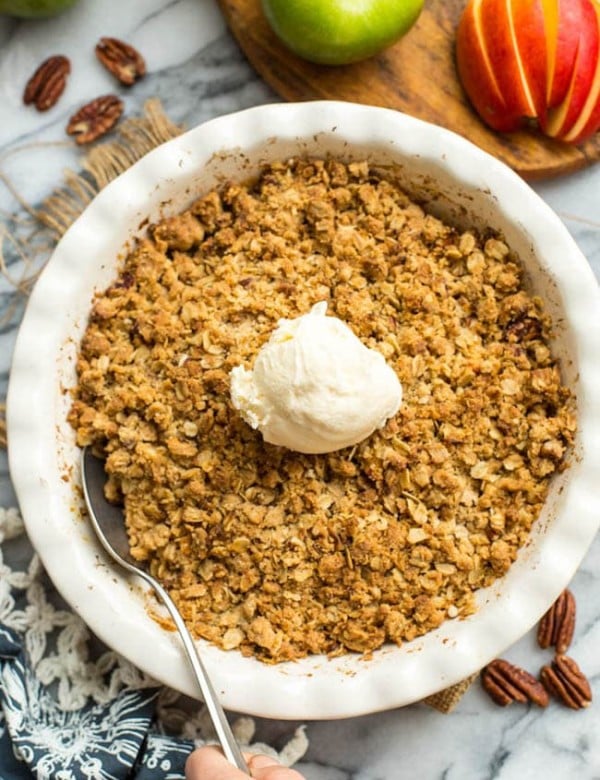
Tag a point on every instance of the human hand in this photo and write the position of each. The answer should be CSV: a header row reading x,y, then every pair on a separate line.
x,y
208,763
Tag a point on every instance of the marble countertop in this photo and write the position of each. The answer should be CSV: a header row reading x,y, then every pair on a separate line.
x,y
198,72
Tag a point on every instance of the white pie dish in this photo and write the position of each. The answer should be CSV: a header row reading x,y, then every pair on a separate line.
x,y
470,187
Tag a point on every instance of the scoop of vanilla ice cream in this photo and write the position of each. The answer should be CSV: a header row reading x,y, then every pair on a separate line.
x,y
315,387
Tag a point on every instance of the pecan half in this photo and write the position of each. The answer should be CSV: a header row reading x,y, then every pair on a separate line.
x,y
564,679
95,118
121,59
47,83
506,683
558,624
524,329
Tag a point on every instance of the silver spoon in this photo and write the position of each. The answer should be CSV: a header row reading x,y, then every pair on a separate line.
x,y
107,521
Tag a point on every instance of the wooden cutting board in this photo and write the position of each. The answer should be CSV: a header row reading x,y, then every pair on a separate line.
x,y
417,75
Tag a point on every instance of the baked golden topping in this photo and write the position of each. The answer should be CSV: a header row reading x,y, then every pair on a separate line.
x,y
281,554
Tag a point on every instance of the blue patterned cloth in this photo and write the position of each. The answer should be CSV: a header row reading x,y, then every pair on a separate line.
x,y
111,741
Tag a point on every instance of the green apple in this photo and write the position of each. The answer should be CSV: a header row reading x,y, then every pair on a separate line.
x,y
34,9
336,32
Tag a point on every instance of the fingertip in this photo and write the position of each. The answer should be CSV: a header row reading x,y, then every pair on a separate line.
x,y
261,761
198,760
191,765
208,763
277,772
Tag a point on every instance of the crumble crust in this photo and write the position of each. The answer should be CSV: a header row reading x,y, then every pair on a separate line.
x,y
281,554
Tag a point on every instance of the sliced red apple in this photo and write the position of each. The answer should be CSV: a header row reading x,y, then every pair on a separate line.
x,y
588,121
563,20
514,34
553,68
529,35
564,116
476,71
540,59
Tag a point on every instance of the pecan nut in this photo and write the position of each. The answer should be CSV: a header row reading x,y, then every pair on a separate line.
x,y
47,83
558,624
95,118
564,679
506,683
524,329
121,59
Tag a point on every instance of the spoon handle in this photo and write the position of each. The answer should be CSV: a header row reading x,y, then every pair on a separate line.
x,y
228,742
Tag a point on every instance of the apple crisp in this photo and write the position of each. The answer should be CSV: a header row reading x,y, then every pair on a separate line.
x,y
280,554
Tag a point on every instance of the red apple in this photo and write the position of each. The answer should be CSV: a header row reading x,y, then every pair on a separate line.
x,y
524,60
477,73
501,59
513,31
561,46
570,120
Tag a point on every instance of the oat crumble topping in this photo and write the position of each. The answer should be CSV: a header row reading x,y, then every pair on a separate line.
x,y
280,554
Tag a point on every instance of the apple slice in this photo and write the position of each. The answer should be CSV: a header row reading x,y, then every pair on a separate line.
x,y
563,20
476,72
588,121
562,117
531,49
514,32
